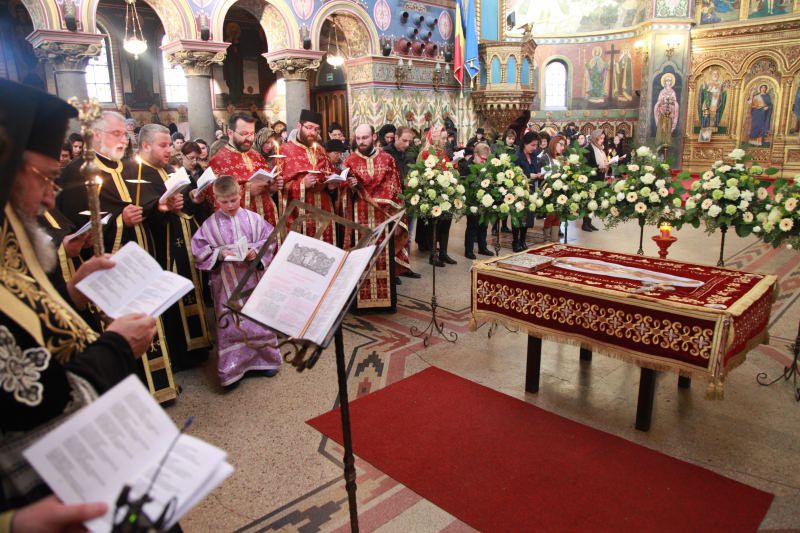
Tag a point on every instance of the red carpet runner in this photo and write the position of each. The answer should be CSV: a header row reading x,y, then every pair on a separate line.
x,y
500,464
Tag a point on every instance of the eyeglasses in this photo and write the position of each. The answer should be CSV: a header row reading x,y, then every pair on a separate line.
x,y
117,134
245,134
48,179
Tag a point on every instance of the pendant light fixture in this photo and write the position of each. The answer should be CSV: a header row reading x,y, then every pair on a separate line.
x,y
134,42
334,60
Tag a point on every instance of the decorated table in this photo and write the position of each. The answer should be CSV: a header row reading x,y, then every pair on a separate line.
x,y
695,320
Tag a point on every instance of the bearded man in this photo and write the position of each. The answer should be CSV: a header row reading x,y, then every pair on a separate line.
x,y
374,177
240,160
171,224
51,361
305,169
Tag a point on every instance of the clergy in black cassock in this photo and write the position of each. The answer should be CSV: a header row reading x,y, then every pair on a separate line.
x,y
171,225
51,361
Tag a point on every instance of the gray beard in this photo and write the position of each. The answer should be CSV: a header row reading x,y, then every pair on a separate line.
x,y
42,244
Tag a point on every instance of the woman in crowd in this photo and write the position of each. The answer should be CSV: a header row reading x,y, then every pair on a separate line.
x,y
529,163
507,144
551,160
597,159
202,159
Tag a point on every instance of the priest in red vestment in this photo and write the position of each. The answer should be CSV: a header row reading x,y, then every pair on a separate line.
x,y
305,169
240,160
375,179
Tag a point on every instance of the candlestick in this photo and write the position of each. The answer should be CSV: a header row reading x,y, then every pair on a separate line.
x,y
663,244
93,185
138,180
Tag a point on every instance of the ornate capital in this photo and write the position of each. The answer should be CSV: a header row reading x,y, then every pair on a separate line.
x,y
196,62
66,51
294,64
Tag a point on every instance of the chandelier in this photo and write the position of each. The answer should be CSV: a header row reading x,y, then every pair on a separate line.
x,y
133,43
334,60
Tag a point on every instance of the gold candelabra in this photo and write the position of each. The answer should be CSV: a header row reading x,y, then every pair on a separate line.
x,y
89,111
439,76
402,72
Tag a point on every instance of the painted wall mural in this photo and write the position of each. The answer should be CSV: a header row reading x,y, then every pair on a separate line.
x,y
666,111
572,16
794,118
713,112
672,8
714,11
757,120
769,8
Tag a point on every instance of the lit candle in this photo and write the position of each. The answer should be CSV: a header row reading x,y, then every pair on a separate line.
x,y
138,179
314,156
277,147
665,228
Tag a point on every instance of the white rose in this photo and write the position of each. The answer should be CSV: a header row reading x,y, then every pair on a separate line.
x,y
504,158
648,178
690,203
708,174
604,204
413,183
620,196
443,180
663,192
736,154
495,161
558,185
732,193
592,205
574,159
460,189
714,210
774,216
547,192
487,200
747,195
633,168
583,179
747,217
756,229
738,166
473,209
648,168
614,212
643,151
660,183
414,199
519,205
654,198
446,206
744,204
707,203
431,161
724,168
762,193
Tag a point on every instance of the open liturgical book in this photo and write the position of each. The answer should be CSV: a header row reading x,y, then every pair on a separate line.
x,y
206,178
239,249
264,176
338,177
178,181
119,440
136,284
86,227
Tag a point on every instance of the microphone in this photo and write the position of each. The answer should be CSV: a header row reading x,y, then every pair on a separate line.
x,y
135,520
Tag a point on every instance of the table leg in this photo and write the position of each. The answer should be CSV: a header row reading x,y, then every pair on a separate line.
x,y
586,354
684,382
533,367
644,407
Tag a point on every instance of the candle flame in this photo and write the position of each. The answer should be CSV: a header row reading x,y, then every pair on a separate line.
x,y
138,160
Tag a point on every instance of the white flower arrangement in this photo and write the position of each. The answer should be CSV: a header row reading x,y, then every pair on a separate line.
x,y
437,194
506,193
567,191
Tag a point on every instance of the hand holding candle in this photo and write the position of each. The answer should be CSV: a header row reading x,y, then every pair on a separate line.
x,y
138,179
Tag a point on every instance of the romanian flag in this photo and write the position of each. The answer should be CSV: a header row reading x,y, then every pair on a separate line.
x,y
471,63
460,42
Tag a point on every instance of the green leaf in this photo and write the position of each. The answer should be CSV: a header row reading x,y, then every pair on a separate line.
x,y
771,171
744,230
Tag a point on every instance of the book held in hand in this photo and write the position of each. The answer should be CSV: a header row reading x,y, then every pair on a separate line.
x,y
263,176
524,262
136,284
178,181
338,177
306,287
206,178
239,249
86,227
119,440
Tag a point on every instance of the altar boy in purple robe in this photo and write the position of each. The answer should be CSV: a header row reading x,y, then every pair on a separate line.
x,y
245,346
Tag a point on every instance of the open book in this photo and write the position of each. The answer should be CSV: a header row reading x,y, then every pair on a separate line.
x,y
338,177
86,227
206,178
264,176
136,284
239,248
177,182
119,440
306,286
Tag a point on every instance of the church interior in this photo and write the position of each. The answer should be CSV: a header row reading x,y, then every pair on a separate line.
x,y
691,79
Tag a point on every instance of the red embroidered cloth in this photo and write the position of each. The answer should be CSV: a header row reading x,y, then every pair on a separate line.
x,y
633,307
241,165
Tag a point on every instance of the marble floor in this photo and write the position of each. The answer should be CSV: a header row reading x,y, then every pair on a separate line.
x,y
288,476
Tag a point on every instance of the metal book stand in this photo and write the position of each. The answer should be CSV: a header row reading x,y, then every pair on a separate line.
x,y
301,353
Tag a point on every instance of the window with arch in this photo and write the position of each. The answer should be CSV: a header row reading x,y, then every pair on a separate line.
x,y
174,80
99,76
555,85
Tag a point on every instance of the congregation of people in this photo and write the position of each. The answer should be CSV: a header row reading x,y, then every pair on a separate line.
x,y
77,354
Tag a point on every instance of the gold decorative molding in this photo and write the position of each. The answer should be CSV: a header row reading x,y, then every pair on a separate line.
x,y
743,30
196,62
294,65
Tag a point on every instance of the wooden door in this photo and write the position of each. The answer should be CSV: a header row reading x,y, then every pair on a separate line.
x,y
332,104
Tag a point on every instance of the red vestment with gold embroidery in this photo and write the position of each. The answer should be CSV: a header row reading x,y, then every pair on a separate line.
x,y
379,197
241,165
299,161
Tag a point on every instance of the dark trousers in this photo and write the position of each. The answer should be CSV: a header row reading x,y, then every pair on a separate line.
x,y
424,236
475,233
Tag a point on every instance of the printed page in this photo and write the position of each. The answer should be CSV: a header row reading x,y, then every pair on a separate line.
x,y
263,175
86,227
293,285
206,178
119,440
337,295
176,183
240,248
135,284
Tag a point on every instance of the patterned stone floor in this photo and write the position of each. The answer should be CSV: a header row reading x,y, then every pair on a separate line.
x,y
288,477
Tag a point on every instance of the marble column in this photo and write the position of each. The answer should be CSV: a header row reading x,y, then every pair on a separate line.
x,y
67,53
197,69
294,66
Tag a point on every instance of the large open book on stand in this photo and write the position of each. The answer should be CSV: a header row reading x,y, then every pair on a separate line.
x,y
310,285
119,440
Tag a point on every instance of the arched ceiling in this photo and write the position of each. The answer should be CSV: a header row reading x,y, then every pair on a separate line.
x,y
567,17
